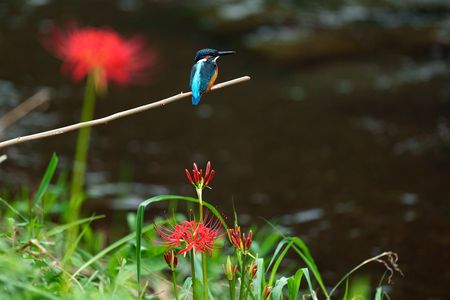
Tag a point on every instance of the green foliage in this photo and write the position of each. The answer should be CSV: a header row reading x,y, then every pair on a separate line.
x,y
32,257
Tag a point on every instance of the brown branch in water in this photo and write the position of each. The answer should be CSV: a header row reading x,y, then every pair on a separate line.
x,y
115,116
20,111
388,259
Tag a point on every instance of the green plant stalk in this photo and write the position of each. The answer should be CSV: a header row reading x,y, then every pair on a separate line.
x,y
200,201
174,281
79,168
194,282
232,286
205,277
204,271
247,291
243,273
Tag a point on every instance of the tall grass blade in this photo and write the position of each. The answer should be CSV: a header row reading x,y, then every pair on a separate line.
x,y
43,186
302,250
294,284
308,280
275,253
278,262
61,228
260,281
15,211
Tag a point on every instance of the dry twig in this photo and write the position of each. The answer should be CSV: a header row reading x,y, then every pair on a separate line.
x,y
115,116
17,113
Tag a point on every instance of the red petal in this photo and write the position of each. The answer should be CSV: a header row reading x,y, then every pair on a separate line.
x,y
208,168
188,175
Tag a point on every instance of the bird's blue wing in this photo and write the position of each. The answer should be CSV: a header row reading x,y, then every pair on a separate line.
x,y
201,74
195,83
206,74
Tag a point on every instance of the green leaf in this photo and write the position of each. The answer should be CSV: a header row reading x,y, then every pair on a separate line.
x,y
360,288
275,253
294,284
46,179
278,262
346,291
277,291
302,250
184,294
379,293
260,281
308,280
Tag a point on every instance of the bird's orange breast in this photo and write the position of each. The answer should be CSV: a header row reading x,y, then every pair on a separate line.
x,y
213,79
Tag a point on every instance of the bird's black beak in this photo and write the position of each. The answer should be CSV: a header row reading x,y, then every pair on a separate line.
x,y
222,53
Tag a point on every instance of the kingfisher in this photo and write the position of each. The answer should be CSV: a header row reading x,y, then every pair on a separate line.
x,y
204,72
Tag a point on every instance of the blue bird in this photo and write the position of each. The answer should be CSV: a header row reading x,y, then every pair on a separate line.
x,y
204,72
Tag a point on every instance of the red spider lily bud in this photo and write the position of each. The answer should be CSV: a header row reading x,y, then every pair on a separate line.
x,y
229,270
240,241
209,178
253,269
171,259
267,292
188,176
247,241
196,177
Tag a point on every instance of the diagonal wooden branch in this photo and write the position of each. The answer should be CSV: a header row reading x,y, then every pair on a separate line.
x,y
122,114
20,111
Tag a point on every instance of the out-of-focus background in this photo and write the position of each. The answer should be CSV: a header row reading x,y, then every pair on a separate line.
x,y
342,134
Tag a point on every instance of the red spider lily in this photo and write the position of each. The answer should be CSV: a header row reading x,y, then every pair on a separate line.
x,y
171,259
240,241
197,179
101,52
191,235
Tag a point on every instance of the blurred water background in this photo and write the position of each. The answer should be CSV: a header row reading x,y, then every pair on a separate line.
x,y
342,134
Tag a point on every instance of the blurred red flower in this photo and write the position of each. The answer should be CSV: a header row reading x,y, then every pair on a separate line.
x,y
192,235
103,53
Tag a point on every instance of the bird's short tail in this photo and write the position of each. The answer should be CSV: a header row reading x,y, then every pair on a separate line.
x,y
196,98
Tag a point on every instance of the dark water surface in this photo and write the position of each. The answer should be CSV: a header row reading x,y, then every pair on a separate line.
x,y
342,133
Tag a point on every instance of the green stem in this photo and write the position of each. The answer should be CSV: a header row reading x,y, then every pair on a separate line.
x,y
200,201
243,273
247,291
232,285
79,168
205,277
194,281
204,271
174,281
